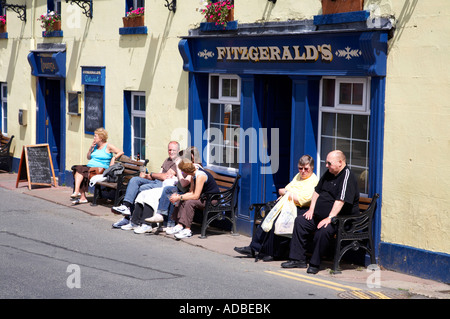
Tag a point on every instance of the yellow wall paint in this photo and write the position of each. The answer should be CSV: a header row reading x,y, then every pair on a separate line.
x,y
416,192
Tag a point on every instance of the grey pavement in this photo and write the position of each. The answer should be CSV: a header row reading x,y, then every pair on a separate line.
x,y
224,242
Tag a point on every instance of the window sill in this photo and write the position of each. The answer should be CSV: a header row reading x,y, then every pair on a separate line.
x,y
211,26
133,30
52,34
4,35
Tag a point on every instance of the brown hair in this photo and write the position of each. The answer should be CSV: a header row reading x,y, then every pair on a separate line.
x,y
187,166
305,160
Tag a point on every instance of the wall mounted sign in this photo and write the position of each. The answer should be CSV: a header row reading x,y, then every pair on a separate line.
x,y
93,75
345,53
47,63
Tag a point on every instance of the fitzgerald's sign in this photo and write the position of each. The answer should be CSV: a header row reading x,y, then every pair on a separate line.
x,y
274,53
347,53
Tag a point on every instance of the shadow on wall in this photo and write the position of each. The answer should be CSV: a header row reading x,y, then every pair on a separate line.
x,y
402,20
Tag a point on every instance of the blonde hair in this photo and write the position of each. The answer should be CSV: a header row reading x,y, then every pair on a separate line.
x,y
102,133
187,166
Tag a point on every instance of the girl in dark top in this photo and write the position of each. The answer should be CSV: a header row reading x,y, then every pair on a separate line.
x,y
183,213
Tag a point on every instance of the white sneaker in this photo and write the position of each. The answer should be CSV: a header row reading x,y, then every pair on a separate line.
x,y
174,230
129,226
156,218
185,233
144,228
122,209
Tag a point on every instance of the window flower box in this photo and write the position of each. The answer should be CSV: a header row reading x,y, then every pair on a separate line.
x,y
3,24
133,22
219,15
340,6
51,23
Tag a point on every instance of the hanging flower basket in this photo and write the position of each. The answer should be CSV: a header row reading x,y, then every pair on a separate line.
x,y
134,18
340,6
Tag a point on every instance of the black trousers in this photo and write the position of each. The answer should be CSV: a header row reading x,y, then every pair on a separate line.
x,y
303,229
270,244
140,213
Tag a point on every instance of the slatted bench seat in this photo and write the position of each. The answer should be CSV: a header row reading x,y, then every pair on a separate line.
x,y
353,232
131,169
221,205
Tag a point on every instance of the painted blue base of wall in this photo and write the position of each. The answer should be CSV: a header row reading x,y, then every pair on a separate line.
x,y
4,35
417,262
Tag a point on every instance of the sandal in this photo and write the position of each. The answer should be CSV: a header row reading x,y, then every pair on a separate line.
x,y
78,201
74,195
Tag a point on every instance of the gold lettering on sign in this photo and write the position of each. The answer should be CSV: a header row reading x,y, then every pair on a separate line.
x,y
306,53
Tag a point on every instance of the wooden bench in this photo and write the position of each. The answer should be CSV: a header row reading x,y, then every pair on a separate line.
x,y
353,232
223,204
131,169
5,156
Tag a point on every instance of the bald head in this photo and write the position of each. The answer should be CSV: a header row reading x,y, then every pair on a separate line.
x,y
335,162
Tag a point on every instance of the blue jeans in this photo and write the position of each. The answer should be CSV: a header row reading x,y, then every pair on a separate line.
x,y
138,184
165,207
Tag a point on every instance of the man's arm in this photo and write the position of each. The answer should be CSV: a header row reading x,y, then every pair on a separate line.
x,y
337,206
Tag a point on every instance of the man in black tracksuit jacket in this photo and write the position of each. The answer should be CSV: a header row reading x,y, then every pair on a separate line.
x,y
336,193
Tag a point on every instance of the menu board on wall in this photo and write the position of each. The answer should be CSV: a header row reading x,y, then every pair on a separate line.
x,y
93,79
93,110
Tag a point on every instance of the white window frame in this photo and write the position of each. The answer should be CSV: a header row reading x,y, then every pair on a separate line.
x,y
222,100
4,108
363,109
56,6
135,113
349,108
135,5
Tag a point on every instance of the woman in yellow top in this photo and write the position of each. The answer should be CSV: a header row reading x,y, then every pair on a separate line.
x,y
300,190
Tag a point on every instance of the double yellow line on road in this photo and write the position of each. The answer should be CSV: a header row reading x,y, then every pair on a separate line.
x,y
356,292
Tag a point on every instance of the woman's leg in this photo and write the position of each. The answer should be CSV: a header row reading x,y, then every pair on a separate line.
x,y
80,186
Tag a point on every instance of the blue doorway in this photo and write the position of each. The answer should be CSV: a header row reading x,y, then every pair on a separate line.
x,y
51,121
275,108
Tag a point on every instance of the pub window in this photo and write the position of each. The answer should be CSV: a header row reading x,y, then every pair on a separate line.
x,y
223,122
54,5
4,108
134,4
344,124
138,124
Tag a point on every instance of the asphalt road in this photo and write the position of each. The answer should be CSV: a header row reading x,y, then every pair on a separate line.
x,y
50,251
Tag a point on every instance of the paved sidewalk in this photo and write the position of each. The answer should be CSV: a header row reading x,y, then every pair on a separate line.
x,y
224,242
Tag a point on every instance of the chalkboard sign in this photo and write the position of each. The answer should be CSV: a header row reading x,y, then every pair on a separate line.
x,y
73,106
36,166
93,110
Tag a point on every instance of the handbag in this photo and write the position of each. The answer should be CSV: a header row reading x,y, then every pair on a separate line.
x,y
284,225
95,171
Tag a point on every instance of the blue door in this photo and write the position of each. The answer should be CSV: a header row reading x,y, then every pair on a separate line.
x,y
49,119
275,114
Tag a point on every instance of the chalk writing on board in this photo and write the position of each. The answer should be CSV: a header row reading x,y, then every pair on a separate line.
x,y
36,166
93,113
39,165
